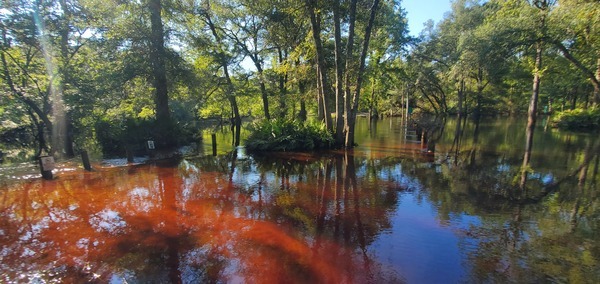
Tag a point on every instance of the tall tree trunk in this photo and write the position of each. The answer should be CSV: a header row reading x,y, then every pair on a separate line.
x,y
351,121
302,114
349,64
263,90
532,113
339,73
597,82
158,55
322,73
461,97
480,87
282,88
64,125
373,112
237,119
320,100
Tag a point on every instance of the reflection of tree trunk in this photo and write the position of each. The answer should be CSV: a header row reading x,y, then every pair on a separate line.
x,y
347,230
232,166
261,181
326,184
581,186
336,196
350,175
457,139
591,151
473,152
575,212
169,206
584,168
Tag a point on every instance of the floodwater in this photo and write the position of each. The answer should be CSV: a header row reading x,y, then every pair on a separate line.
x,y
390,211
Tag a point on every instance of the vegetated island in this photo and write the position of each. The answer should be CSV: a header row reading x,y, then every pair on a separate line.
x,y
288,135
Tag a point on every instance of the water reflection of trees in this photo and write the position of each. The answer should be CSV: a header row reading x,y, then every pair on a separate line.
x,y
202,220
331,198
546,231
308,217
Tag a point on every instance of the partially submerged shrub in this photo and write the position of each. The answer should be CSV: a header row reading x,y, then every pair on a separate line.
x,y
578,119
287,135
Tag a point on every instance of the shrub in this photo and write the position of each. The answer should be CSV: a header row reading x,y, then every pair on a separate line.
x,y
578,119
287,135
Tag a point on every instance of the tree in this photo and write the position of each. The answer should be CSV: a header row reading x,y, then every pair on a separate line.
x,y
158,55
39,29
572,26
349,66
322,77
248,23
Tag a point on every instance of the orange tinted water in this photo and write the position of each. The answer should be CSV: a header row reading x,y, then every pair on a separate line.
x,y
169,222
385,212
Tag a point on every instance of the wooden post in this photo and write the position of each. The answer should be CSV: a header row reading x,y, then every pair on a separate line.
x,y
129,154
46,166
214,143
151,148
86,160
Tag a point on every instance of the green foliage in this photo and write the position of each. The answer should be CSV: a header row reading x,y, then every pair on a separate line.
x,y
578,119
288,135
115,136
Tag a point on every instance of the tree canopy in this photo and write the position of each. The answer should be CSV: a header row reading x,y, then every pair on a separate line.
x,y
108,75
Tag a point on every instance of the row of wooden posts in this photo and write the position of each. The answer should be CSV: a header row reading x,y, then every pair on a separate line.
x,y
47,163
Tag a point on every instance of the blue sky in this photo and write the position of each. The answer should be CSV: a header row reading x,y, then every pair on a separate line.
x,y
419,11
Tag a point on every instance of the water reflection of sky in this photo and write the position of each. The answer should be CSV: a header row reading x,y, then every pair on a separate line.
x,y
419,246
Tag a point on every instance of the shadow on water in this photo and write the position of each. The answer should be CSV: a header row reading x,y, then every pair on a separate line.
x,y
390,211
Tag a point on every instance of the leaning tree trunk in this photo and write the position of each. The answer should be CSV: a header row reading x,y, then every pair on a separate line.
x,y
532,114
322,73
263,90
594,77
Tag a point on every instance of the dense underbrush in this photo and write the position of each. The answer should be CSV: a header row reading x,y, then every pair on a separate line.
x,y
288,135
578,119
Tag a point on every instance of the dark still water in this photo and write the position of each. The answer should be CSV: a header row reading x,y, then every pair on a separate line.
x,y
387,212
